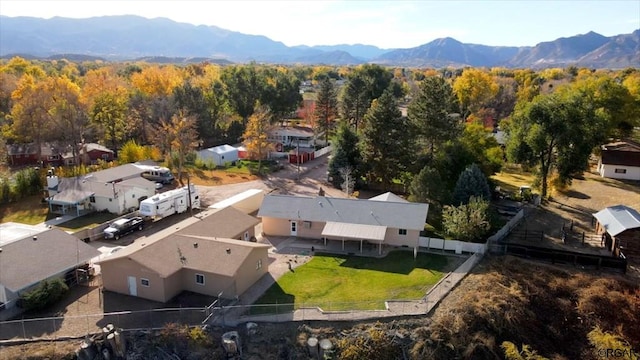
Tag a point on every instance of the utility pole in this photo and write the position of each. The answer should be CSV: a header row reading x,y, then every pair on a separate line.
x,y
189,192
298,158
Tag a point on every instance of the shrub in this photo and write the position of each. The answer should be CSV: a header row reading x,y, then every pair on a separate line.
x,y
5,190
47,293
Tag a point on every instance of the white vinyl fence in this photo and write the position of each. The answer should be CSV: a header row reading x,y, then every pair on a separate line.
x,y
506,229
325,150
451,245
460,247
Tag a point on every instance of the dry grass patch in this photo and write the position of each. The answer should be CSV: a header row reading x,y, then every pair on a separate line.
x,y
512,177
551,309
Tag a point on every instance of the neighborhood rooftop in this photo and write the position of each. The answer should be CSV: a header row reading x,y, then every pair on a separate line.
x,y
115,173
159,251
403,215
176,252
28,260
225,223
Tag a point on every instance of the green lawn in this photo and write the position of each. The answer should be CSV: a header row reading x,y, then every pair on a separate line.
x,y
335,282
243,169
87,221
29,210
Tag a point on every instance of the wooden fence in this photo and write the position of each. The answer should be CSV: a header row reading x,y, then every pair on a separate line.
x,y
566,257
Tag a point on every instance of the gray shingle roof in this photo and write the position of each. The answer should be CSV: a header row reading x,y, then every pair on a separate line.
x,y
225,223
121,172
159,251
355,211
617,219
198,253
26,261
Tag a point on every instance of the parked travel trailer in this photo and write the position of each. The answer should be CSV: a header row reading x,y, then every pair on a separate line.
x,y
170,202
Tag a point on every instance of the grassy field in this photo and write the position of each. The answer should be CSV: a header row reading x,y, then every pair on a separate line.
x,y
87,221
352,282
29,210
511,178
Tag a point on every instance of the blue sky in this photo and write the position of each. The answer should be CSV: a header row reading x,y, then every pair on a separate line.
x,y
386,24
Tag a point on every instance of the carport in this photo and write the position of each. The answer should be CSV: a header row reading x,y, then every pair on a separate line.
x,y
358,232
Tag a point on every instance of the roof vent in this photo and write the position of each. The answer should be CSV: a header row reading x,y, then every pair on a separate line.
x,y
228,251
35,237
195,245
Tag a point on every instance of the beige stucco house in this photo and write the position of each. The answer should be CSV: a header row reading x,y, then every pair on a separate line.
x,y
208,256
383,220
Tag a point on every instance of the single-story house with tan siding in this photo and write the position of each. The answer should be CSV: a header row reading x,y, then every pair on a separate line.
x,y
384,220
204,255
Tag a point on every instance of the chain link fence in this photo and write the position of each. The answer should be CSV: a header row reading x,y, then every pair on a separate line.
x,y
53,328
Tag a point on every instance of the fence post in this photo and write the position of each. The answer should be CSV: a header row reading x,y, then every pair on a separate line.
x,y
24,332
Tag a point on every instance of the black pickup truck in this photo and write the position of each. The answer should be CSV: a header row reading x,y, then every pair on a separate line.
x,y
122,227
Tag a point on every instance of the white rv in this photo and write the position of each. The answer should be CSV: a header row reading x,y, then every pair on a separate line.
x,y
158,174
170,202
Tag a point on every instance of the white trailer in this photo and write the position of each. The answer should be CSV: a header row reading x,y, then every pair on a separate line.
x,y
170,202
248,201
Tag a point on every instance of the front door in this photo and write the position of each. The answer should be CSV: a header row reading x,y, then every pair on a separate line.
x,y
294,228
133,286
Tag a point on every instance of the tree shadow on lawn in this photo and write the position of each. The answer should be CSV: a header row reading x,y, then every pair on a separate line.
x,y
399,262
577,195
274,301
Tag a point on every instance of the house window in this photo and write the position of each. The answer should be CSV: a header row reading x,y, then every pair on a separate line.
x,y
621,171
105,156
199,279
144,282
259,264
402,231
92,199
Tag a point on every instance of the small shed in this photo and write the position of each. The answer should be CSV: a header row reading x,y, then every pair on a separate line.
x,y
219,155
621,228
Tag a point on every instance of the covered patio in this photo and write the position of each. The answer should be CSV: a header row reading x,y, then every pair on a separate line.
x,y
354,232
69,201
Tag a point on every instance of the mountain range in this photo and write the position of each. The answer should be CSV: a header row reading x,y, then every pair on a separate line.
x,y
131,37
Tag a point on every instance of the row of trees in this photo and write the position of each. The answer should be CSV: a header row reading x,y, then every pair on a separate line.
x,y
554,118
552,130
112,103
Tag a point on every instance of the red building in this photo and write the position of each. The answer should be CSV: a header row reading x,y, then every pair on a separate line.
x,y
27,154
